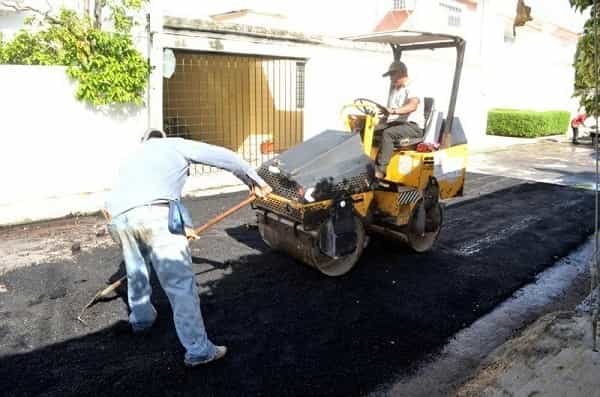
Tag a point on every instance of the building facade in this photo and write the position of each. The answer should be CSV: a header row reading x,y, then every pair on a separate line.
x,y
260,81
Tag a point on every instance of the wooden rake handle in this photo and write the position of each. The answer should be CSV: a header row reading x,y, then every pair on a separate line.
x,y
225,214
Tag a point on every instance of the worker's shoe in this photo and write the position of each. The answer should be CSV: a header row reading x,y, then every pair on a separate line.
x,y
220,352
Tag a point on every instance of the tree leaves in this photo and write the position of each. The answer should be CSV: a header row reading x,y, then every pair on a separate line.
x,y
585,80
107,65
581,5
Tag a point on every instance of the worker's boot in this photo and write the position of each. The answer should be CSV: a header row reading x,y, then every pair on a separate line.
x,y
220,352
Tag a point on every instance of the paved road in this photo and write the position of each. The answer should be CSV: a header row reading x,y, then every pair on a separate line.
x,y
547,161
290,330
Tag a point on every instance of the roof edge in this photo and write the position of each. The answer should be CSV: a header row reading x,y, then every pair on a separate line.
x,y
202,25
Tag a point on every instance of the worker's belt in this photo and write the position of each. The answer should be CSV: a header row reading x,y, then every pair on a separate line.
x,y
159,204
154,204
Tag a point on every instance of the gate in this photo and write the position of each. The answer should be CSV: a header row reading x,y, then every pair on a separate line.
x,y
249,104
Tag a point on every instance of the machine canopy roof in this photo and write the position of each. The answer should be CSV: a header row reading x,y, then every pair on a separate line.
x,y
407,38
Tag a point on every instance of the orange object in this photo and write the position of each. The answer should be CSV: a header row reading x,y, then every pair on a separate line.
x,y
266,147
425,147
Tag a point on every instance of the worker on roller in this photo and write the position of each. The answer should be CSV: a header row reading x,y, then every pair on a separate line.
x,y
150,225
403,119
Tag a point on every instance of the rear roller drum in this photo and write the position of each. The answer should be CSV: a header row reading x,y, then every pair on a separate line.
x,y
268,236
424,227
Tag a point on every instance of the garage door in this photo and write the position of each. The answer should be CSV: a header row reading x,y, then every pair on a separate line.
x,y
249,104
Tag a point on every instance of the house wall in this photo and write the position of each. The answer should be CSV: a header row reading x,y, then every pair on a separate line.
x,y
532,70
334,75
55,148
337,72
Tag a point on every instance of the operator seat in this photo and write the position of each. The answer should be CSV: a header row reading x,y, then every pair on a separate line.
x,y
428,113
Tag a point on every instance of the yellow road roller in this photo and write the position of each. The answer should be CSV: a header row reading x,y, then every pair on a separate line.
x,y
326,202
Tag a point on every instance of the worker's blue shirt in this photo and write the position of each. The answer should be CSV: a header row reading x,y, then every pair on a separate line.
x,y
157,170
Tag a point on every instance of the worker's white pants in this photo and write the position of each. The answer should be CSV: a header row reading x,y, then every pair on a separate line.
x,y
144,236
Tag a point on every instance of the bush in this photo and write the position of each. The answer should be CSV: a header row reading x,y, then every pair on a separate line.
x,y
107,65
527,123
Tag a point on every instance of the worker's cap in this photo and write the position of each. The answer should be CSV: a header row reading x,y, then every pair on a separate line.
x,y
153,133
396,66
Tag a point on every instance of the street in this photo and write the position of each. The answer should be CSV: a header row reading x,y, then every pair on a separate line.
x,y
290,330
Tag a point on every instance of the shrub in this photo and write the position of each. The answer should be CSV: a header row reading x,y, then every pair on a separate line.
x,y
107,65
527,123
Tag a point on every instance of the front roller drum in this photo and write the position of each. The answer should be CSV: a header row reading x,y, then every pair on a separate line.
x,y
303,245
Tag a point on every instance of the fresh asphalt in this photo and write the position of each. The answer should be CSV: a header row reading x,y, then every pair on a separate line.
x,y
290,330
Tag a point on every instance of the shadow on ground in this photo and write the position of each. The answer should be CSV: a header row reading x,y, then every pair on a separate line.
x,y
290,330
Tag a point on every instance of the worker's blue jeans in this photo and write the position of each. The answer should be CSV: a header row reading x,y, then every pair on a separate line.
x,y
144,236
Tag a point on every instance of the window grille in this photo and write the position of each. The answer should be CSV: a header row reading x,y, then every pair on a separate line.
x,y
300,71
399,4
251,105
454,14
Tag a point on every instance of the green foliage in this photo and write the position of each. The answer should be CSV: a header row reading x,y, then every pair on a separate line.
x,y
527,123
107,65
581,5
584,85
26,49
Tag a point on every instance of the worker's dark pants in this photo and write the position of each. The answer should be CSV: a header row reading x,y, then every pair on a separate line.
x,y
391,134
575,133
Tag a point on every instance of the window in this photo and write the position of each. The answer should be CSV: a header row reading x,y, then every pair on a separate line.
x,y
399,4
300,70
404,5
453,14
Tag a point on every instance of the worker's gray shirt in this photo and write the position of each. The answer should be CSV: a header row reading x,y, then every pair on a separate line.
x,y
400,97
158,170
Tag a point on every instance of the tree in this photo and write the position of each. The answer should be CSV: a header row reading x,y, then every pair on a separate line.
x,y
106,63
585,79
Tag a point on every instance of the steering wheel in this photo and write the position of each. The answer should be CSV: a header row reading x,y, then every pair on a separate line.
x,y
366,106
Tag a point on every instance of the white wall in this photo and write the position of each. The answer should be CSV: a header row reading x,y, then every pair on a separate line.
x,y
535,72
54,146
334,77
10,23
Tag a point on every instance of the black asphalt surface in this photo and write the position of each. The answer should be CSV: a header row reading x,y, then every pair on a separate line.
x,y
290,330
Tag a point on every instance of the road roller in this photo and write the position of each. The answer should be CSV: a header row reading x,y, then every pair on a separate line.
x,y
326,203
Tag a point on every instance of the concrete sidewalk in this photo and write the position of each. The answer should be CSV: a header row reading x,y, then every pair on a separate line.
x,y
552,357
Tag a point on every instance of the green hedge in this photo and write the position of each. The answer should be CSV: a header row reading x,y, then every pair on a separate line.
x,y
527,123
